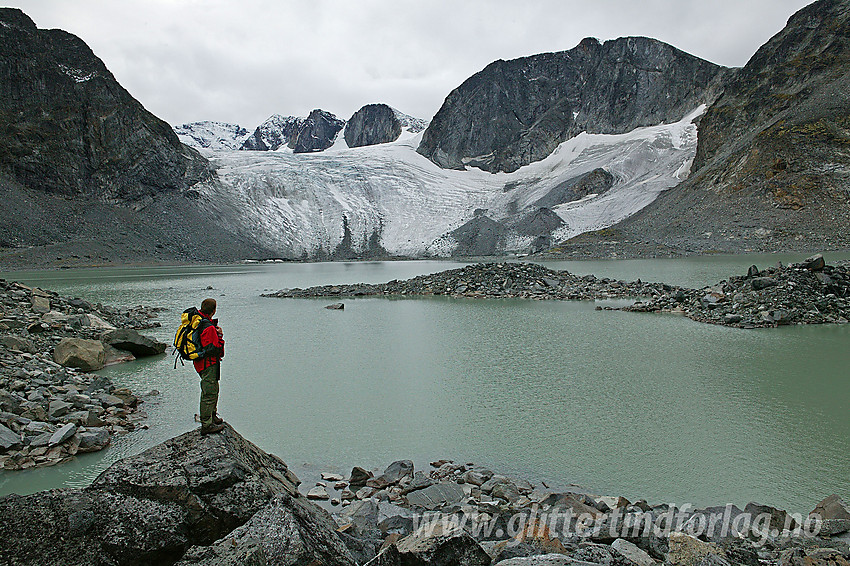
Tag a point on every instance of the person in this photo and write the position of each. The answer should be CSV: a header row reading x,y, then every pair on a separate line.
x,y
209,368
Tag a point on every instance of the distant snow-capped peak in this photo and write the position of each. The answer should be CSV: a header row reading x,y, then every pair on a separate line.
x,y
409,123
211,135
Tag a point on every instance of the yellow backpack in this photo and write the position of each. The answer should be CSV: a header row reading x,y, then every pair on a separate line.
x,y
187,340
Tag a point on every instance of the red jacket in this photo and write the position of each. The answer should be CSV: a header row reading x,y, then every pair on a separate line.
x,y
209,336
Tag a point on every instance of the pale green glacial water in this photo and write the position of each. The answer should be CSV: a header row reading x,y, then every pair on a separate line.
x,y
653,406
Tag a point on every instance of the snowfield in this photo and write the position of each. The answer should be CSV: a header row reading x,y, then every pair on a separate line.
x,y
298,204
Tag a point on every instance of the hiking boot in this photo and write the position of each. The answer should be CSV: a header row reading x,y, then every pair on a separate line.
x,y
212,429
217,419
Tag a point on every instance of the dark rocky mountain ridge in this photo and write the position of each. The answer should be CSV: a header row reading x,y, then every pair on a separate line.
x,y
87,175
772,168
515,112
70,128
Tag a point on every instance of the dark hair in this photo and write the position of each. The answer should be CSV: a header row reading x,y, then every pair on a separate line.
x,y
208,306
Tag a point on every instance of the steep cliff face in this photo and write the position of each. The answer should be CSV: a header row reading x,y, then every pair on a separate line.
x,y
772,169
318,132
516,112
68,127
372,124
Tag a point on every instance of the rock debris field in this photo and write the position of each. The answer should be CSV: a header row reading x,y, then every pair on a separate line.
x,y
809,292
51,406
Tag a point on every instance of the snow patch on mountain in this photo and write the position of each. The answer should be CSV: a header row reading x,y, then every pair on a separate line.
x,y
211,135
299,203
409,124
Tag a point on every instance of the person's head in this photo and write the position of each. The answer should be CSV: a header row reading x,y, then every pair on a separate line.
x,y
208,307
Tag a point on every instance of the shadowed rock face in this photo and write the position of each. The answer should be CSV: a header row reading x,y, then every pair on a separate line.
x,y
68,127
771,169
149,508
372,124
317,132
515,112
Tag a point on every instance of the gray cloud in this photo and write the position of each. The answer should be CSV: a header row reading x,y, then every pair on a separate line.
x,y
242,61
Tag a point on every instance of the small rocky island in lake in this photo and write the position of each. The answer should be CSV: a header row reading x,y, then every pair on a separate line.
x,y
809,292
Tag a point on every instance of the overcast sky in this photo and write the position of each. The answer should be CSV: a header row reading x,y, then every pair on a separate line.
x,y
243,60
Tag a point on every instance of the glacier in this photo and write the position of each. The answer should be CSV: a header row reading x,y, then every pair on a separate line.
x,y
302,205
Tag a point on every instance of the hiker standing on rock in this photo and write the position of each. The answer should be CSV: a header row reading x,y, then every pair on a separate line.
x,y
209,368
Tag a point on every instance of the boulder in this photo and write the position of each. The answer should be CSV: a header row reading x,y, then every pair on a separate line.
x,y
319,492
327,476
435,545
64,433
436,496
40,304
96,322
812,557
336,307
833,507
148,509
286,531
359,477
394,473
54,317
9,440
94,439
779,519
759,283
116,356
685,550
17,343
133,342
58,408
420,481
632,553
477,477
814,263
87,355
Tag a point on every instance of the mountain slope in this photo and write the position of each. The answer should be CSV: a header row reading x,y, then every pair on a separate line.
x,y
772,169
516,112
70,128
87,175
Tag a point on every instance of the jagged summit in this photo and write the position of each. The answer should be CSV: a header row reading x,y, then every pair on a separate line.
x,y
516,112
316,132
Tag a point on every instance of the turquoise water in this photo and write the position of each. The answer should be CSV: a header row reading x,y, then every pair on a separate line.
x,y
641,405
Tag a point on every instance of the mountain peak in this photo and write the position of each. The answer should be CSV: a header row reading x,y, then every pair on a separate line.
x,y
515,112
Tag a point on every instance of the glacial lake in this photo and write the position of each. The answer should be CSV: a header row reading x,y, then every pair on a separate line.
x,y
641,405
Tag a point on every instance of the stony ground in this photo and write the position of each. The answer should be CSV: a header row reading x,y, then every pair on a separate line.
x,y
810,292
511,521
51,405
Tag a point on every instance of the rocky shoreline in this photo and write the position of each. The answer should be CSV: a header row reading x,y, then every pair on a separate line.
x,y
809,292
51,406
219,500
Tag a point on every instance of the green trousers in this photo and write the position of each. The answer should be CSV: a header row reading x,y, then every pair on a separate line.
x,y
209,394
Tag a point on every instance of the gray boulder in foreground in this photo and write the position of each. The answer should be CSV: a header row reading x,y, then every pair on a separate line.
x,y
191,490
133,342
87,355
434,545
